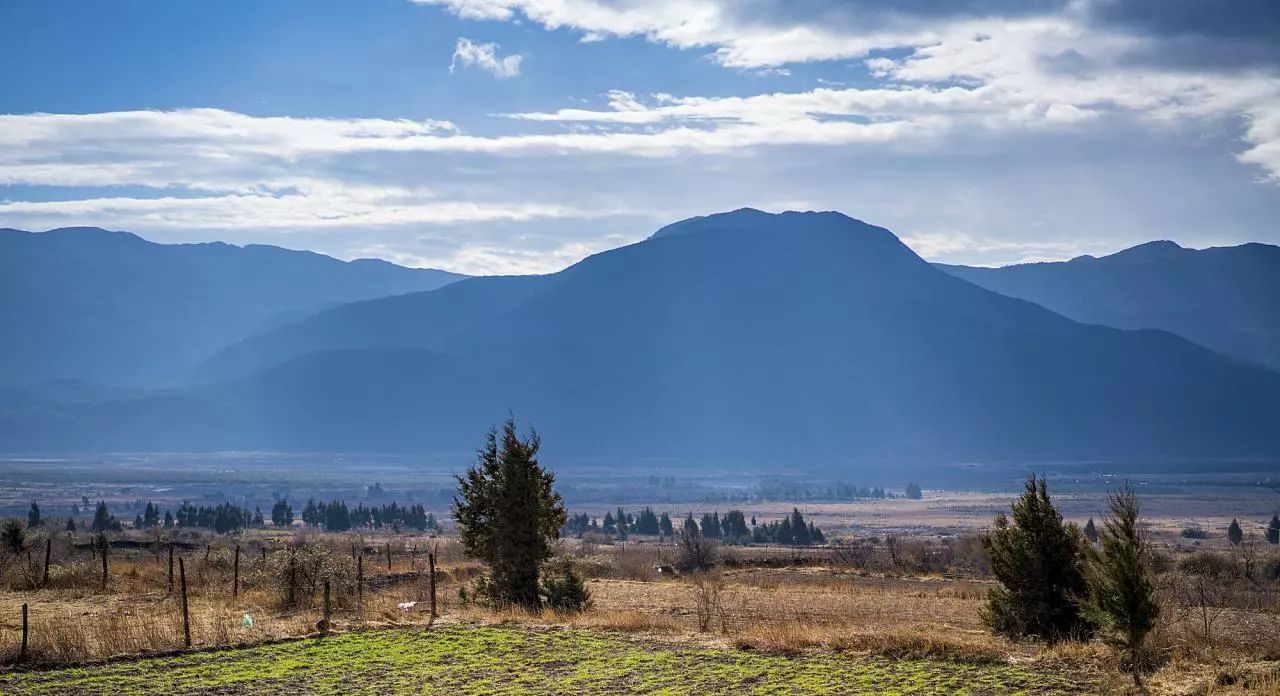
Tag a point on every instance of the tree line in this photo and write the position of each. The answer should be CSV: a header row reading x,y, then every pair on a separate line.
x,y
732,529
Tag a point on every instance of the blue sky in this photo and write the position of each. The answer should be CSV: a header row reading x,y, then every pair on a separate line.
x,y
498,136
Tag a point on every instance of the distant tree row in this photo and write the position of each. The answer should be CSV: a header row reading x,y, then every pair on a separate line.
x,y
335,516
732,528
785,489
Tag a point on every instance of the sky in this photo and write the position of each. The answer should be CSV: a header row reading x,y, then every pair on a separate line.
x,y
519,136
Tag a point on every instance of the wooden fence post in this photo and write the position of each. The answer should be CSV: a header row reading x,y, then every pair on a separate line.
x,y
186,616
235,586
431,562
171,568
360,583
48,551
104,564
293,579
23,654
388,557
327,608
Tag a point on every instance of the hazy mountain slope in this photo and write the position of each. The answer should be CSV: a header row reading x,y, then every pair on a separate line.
x,y
112,308
1225,298
414,320
798,338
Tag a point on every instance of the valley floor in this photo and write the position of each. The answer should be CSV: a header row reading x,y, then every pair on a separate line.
x,y
509,659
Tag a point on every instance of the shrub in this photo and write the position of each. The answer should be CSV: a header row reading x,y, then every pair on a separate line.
x,y
694,551
565,590
1194,533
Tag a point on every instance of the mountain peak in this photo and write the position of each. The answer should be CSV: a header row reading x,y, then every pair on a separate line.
x,y
1160,248
753,219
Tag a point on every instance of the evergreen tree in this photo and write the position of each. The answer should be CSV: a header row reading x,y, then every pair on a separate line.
x,y
711,525
1039,562
690,525
102,519
509,515
281,514
1234,534
647,523
13,537
33,516
1122,599
621,521
1091,531
664,526
735,528
71,524
137,521
913,492
609,525
1273,530
168,519
799,530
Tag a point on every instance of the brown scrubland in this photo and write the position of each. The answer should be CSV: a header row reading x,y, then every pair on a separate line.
x,y
901,597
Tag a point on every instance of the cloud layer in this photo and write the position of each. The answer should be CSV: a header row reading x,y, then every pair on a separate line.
x,y
928,82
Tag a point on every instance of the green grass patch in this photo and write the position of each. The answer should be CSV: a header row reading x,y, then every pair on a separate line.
x,y
517,660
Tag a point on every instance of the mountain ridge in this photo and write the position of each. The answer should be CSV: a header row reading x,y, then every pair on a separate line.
x,y
787,338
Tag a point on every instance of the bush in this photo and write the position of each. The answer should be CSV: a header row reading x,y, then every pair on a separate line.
x,y
1207,564
565,590
1194,533
301,570
695,552
1271,567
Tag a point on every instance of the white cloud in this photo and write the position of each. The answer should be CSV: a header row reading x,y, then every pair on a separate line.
x,y
485,56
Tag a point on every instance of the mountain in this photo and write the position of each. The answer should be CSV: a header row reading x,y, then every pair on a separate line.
x,y
799,339
90,305
1224,298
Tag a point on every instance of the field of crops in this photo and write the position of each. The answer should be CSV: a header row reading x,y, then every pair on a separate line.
x,y
470,659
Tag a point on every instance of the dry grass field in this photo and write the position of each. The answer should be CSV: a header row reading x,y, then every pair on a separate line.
x,y
848,609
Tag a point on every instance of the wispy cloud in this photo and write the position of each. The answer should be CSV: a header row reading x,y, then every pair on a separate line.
x,y
485,56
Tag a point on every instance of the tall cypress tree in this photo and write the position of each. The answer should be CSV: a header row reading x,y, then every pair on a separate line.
x,y
1234,534
1039,562
1091,531
1122,597
101,518
509,515
1273,530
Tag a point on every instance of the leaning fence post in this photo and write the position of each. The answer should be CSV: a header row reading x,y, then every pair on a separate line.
x,y
23,653
431,561
48,551
327,607
235,583
186,616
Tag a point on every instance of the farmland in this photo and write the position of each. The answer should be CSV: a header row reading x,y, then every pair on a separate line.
x,y
469,659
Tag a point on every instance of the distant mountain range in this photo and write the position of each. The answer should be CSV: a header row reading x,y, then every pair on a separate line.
x,y
1225,298
795,339
91,307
